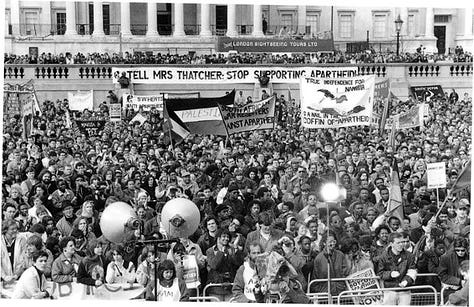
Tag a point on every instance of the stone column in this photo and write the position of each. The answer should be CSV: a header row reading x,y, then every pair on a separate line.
x,y
70,19
468,21
205,20
152,21
98,20
125,19
429,39
404,17
301,19
257,21
15,17
231,27
178,20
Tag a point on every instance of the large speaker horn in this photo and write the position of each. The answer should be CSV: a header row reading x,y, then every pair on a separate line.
x,y
180,218
116,219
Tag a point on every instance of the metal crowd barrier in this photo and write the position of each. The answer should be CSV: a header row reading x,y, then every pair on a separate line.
x,y
358,293
336,280
203,299
215,285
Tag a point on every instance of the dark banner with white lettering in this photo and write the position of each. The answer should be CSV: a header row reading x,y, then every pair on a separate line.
x,y
427,92
90,128
225,44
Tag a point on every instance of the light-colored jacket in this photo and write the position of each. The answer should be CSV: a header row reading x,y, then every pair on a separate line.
x,y
29,284
20,249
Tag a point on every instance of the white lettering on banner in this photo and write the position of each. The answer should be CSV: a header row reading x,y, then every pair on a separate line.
x,y
338,101
206,75
436,175
146,102
197,115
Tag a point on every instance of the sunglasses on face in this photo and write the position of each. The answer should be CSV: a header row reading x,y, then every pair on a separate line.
x,y
460,249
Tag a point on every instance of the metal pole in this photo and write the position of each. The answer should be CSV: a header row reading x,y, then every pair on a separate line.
x,y
398,42
329,256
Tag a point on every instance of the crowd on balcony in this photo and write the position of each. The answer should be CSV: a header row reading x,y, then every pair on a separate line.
x,y
368,56
256,192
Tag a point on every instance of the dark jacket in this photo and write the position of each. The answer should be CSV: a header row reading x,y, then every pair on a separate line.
x,y
338,269
223,266
449,268
389,262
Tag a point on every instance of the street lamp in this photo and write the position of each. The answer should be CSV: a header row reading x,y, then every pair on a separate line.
x,y
398,28
330,192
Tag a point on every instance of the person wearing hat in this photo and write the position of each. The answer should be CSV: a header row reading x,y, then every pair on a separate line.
x,y
234,200
61,194
189,187
65,223
449,265
462,216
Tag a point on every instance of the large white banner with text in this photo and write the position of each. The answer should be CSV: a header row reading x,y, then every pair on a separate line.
x,y
336,102
228,75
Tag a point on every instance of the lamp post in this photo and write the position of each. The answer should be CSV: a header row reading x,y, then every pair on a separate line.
x,y
330,192
398,28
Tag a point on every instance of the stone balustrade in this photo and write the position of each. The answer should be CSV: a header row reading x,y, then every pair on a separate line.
x,y
104,71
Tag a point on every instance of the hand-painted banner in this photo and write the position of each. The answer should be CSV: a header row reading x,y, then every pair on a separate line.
x,y
115,112
427,92
146,102
410,119
255,116
79,101
90,127
228,75
225,44
337,102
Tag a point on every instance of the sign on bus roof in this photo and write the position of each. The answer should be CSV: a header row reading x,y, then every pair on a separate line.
x,y
288,45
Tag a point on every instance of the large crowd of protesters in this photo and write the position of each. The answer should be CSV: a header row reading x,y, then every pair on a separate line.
x,y
257,192
367,56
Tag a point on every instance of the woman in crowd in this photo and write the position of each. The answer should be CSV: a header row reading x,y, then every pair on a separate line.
x,y
118,270
92,267
32,283
170,288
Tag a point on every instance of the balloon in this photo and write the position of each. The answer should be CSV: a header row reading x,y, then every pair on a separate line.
x,y
116,219
180,218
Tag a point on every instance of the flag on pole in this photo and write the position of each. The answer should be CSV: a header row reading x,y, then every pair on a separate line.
x,y
383,119
395,205
464,179
174,125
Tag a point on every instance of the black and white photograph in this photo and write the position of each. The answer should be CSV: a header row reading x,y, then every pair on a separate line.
x,y
315,152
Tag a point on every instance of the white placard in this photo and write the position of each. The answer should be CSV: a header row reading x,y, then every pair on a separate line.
x,y
436,173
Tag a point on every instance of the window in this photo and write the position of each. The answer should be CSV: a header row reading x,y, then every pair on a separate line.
x,y
411,25
346,25
441,18
8,26
60,23
32,23
312,21
286,20
380,26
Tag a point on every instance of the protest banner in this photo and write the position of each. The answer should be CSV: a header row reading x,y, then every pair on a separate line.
x,y
356,282
79,101
254,116
436,175
410,119
90,128
289,45
227,75
382,89
427,92
336,102
146,102
115,112
138,118
76,291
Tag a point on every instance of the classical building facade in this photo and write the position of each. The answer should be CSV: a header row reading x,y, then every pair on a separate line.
x,y
59,26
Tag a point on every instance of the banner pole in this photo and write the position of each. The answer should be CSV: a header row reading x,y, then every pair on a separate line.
x,y
437,197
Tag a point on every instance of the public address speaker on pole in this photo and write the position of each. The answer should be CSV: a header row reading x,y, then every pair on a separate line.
x,y
180,218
